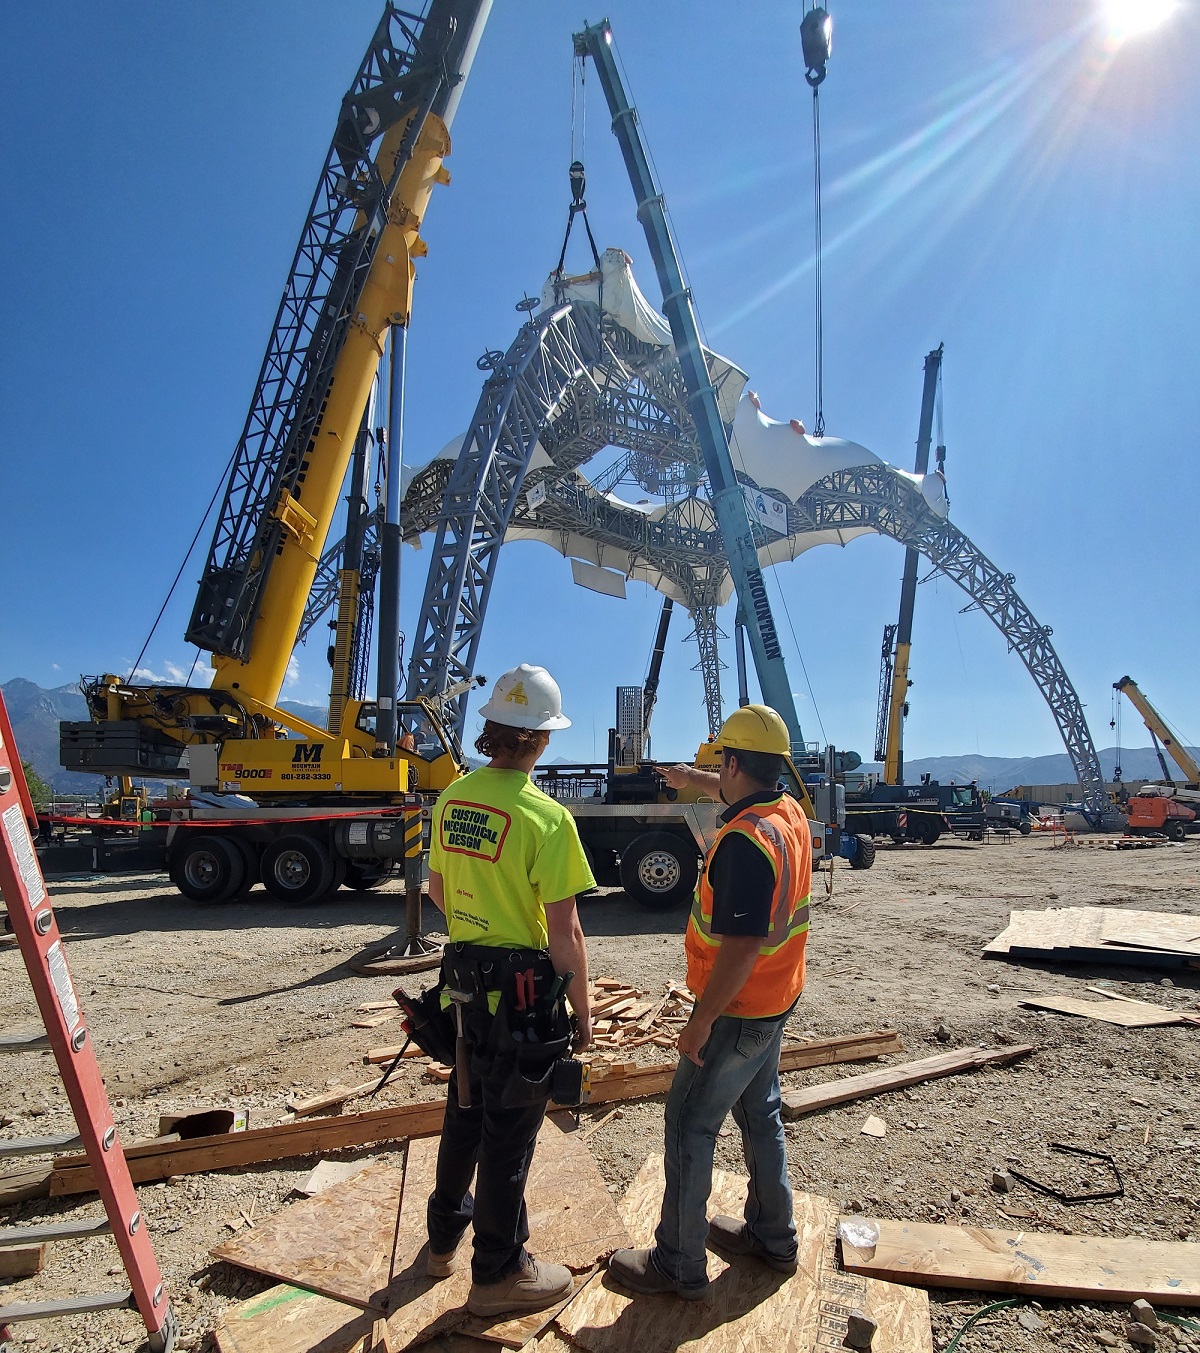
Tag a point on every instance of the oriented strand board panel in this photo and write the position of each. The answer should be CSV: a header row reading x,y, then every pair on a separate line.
x,y
338,1244
1092,1268
748,1306
1078,935
1131,1014
287,1319
1153,930
572,1220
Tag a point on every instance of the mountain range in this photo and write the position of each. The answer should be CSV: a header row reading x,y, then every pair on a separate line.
x,y
35,713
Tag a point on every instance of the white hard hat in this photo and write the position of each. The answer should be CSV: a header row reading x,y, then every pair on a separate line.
x,y
526,697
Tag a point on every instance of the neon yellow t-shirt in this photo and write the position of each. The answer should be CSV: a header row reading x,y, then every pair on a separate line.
x,y
504,850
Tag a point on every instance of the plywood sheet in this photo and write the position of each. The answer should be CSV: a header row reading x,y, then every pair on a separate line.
x,y
1096,1268
287,1319
748,1306
573,1220
338,1244
1153,930
1081,935
1131,1014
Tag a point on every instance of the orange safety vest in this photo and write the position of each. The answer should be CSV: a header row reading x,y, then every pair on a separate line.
x,y
781,831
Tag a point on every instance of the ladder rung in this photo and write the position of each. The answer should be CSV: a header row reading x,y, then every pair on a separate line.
x,y
60,1230
40,1146
42,1310
23,1042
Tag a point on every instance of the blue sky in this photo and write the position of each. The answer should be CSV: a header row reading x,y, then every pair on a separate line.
x,y
1006,179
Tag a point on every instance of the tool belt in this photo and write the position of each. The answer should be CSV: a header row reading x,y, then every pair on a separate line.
x,y
529,1029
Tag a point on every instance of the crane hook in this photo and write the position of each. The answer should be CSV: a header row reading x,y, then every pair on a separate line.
x,y
816,41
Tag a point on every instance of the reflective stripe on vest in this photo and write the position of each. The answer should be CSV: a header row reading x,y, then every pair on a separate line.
x,y
778,976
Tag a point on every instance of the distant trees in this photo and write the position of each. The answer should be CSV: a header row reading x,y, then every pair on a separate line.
x,y
39,790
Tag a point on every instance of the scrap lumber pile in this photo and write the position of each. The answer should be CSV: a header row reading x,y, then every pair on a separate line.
x,y
1100,935
623,1017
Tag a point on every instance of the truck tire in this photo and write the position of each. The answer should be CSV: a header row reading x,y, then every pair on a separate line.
x,y
207,868
864,856
1175,831
1026,827
297,869
362,877
659,870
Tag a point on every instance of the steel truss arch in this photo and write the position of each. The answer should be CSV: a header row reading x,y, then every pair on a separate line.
x,y
573,383
873,497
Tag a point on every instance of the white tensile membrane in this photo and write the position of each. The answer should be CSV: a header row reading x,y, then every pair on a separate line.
x,y
780,457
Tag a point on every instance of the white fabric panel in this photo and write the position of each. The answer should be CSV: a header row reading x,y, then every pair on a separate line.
x,y
778,456
623,300
603,580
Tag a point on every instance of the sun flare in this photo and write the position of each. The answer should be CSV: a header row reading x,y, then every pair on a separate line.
x,y
1130,18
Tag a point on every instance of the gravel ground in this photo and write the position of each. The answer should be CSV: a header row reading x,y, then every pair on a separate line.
x,y
243,1005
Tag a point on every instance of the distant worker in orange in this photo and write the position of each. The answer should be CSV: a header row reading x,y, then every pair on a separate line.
x,y
745,965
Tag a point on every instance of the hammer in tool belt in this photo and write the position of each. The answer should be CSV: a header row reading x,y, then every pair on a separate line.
x,y
462,1060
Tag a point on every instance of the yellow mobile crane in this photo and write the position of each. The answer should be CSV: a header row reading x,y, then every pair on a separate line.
x,y
321,797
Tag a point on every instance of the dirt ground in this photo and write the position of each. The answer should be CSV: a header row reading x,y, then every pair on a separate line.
x,y
195,1007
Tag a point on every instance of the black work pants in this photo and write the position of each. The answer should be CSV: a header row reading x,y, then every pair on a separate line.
x,y
499,1142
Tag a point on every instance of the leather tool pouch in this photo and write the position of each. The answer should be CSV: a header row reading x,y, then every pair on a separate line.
x,y
528,1033
429,1026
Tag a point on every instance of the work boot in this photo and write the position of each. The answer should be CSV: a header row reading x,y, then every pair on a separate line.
x,y
531,1288
442,1265
638,1271
731,1238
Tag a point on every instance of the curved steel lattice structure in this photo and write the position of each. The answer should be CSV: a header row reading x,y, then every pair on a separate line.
x,y
572,384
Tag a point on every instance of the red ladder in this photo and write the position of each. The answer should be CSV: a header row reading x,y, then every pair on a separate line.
x,y
32,921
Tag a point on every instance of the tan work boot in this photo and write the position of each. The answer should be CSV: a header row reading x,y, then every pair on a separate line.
x,y
531,1288
442,1265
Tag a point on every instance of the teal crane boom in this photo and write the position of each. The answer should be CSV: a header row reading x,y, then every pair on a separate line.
x,y
728,501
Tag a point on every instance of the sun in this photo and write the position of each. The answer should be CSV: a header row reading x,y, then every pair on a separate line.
x,y
1130,18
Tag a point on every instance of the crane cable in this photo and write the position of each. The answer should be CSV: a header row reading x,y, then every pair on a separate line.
x,y
175,583
816,34
578,180
818,298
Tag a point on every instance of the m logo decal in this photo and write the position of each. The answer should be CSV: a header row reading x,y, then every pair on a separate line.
x,y
307,754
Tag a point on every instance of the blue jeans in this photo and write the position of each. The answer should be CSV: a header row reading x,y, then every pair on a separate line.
x,y
740,1072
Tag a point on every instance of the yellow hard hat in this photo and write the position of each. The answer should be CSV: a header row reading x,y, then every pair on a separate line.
x,y
754,728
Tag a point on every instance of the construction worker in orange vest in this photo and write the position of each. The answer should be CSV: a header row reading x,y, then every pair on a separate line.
x,y
745,965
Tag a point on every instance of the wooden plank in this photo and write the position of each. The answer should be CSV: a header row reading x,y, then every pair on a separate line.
x,y
573,1220
302,1108
1131,1014
377,1056
21,1186
374,1021
338,1244
22,1261
748,1306
797,1102
1090,1268
159,1160
655,1080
